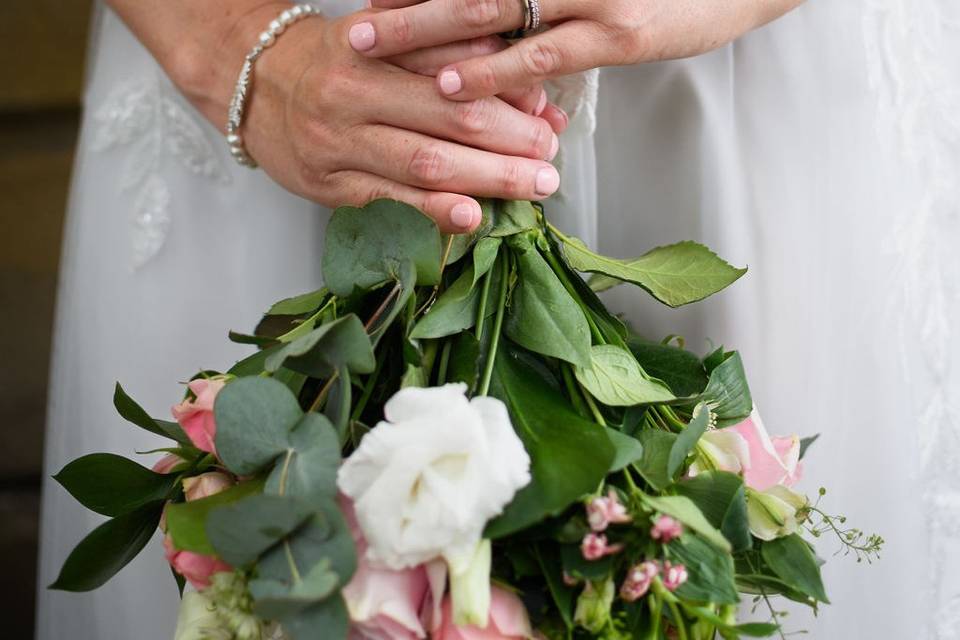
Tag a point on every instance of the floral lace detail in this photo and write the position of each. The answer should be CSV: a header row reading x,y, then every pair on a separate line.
x,y
913,48
143,116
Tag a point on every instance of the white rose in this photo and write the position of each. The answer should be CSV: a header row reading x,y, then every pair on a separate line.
x,y
426,481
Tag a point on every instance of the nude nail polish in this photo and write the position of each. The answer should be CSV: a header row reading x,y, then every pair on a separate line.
x,y
362,36
450,82
463,215
548,181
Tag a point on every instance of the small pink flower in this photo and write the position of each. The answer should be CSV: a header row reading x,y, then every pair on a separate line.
x,y
167,463
196,416
595,546
639,579
666,529
205,484
674,575
196,568
604,511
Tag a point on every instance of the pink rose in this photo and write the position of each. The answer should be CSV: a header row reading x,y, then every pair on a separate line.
x,y
196,568
604,511
196,416
772,461
390,605
206,484
167,463
508,620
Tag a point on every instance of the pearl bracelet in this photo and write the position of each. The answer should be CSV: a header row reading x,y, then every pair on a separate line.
x,y
276,27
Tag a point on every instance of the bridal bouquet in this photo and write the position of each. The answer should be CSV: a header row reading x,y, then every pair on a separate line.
x,y
456,440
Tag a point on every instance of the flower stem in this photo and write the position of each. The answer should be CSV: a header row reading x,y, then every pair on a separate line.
x,y
497,326
593,408
444,363
482,305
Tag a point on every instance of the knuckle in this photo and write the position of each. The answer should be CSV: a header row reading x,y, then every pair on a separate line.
x,y
511,179
542,59
541,138
429,165
472,116
479,13
401,27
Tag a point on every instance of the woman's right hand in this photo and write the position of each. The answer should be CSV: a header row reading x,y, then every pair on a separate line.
x,y
338,128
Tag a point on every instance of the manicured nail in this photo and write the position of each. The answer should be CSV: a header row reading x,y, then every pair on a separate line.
x,y
554,148
362,36
548,181
450,82
463,215
542,104
368,4
566,118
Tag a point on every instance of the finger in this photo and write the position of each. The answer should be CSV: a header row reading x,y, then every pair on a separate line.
x,y
556,117
488,123
427,24
568,48
393,4
452,212
412,158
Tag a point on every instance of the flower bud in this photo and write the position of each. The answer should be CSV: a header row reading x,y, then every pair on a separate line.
x,y
665,529
774,513
205,485
595,546
593,605
674,575
470,586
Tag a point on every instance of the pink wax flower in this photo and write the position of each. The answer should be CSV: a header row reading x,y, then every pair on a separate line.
x,y
508,620
167,463
638,581
674,575
595,546
772,461
196,416
206,484
196,568
604,511
666,529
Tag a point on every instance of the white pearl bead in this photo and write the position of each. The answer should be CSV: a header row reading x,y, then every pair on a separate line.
x,y
286,17
297,11
277,27
233,140
267,38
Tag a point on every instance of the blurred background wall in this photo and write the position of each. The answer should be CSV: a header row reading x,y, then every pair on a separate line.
x,y
40,83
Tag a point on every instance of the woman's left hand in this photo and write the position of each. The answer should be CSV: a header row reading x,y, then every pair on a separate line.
x,y
584,34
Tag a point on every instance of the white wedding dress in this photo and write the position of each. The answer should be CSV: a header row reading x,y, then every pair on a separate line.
x,y
823,151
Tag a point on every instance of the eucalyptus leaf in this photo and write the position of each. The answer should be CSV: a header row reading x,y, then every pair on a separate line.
x,y
341,343
569,455
710,571
329,620
543,317
299,305
615,378
687,512
792,560
254,416
365,247
187,521
676,274
276,601
111,485
108,549
242,531
130,411
308,468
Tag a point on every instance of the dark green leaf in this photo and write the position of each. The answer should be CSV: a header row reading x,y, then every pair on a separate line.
x,y
130,411
627,450
340,343
242,531
255,363
563,595
464,360
484,256
687,439
187,521
727,392
569,455
111,485
511,217
368,246
543,317
676,274
710,571
805,444
615,378
454,311
339,404
791,559
108,549
679,369
722,499
575,565
656,453
254,416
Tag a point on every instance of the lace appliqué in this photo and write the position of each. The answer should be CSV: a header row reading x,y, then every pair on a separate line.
x,y
142,116
914,49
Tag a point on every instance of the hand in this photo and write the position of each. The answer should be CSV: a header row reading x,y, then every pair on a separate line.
x,y
586,34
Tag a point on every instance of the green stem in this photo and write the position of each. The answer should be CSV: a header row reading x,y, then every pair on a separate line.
x,y
671,417
497,326
681,625
593,408
444,362
656,611
299,330
482,306
572,391
367,391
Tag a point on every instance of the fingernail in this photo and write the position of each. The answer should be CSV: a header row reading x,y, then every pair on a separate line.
x,y
548,181
566,118
450,82
542,104
368,4
554,148
463,215
362,36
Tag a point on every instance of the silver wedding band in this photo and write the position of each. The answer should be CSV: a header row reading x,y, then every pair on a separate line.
x,y
531,20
